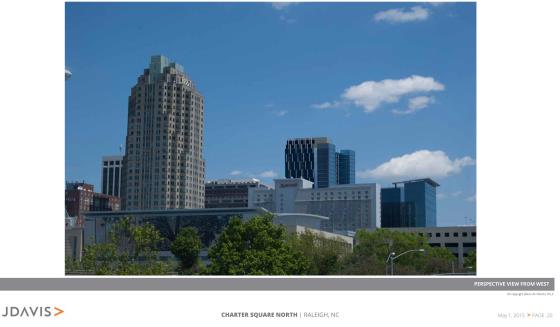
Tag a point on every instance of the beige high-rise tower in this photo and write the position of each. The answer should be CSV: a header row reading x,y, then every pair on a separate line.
x,y
163,164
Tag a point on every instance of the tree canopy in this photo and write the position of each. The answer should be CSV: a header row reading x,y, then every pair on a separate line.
x,y
373,248
131,250
326,256
255,247
186,247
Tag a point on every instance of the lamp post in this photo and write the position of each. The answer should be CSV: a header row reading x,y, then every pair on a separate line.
x,y
392,256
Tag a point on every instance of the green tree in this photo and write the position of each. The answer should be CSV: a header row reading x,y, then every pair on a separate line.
x,y
470,261
439,261
256,247
326,256
131,250
373,248
186,248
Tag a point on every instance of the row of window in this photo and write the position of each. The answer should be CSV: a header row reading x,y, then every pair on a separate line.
x,y
446,234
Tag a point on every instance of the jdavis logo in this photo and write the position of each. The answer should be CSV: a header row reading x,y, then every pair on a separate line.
x,y
31,312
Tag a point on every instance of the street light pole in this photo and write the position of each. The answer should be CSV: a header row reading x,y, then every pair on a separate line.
x,y
392,256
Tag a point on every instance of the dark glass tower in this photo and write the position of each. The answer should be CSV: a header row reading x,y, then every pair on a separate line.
x,y
326,165
346,167
313,159
412,205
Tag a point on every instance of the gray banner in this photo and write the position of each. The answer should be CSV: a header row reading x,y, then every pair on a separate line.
x,y
276,284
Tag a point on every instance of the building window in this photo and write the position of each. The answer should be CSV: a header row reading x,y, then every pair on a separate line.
x,y
446,234
438,234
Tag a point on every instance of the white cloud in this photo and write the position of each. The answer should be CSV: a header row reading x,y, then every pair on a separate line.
x,y
471,198
280,113
415,104
281,5
269,105
419,164
236,172
400,15
441,196
268,174
371,94
420,102
327,105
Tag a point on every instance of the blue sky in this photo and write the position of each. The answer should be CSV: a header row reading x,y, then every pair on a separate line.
x,y
396,82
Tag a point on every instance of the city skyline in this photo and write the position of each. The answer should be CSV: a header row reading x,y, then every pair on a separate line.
x,y
409,115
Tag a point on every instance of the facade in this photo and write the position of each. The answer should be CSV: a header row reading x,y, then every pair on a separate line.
x,y
73,239
81,198
349,207
460,240
163,165
411,205
313,159
346,167
230,193
111,172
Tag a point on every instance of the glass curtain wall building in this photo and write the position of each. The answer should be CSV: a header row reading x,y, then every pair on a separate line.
x,y
312,159
346,167
411,205
315,159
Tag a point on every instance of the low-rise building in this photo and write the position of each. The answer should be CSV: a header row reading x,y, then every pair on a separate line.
x,y
209,222
230,193
81,198
73,239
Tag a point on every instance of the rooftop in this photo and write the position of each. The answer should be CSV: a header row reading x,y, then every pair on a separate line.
x,y
426,180
234,181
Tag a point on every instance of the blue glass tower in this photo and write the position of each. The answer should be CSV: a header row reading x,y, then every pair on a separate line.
x,y
412,205
346,167
422,193
326,165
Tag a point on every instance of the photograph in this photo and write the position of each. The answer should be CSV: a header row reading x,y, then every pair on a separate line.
x,y
270,139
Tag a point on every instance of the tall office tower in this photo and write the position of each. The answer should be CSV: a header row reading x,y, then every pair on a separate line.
x,y
346,167
312,159
412,205
163,164
111,173
422,192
